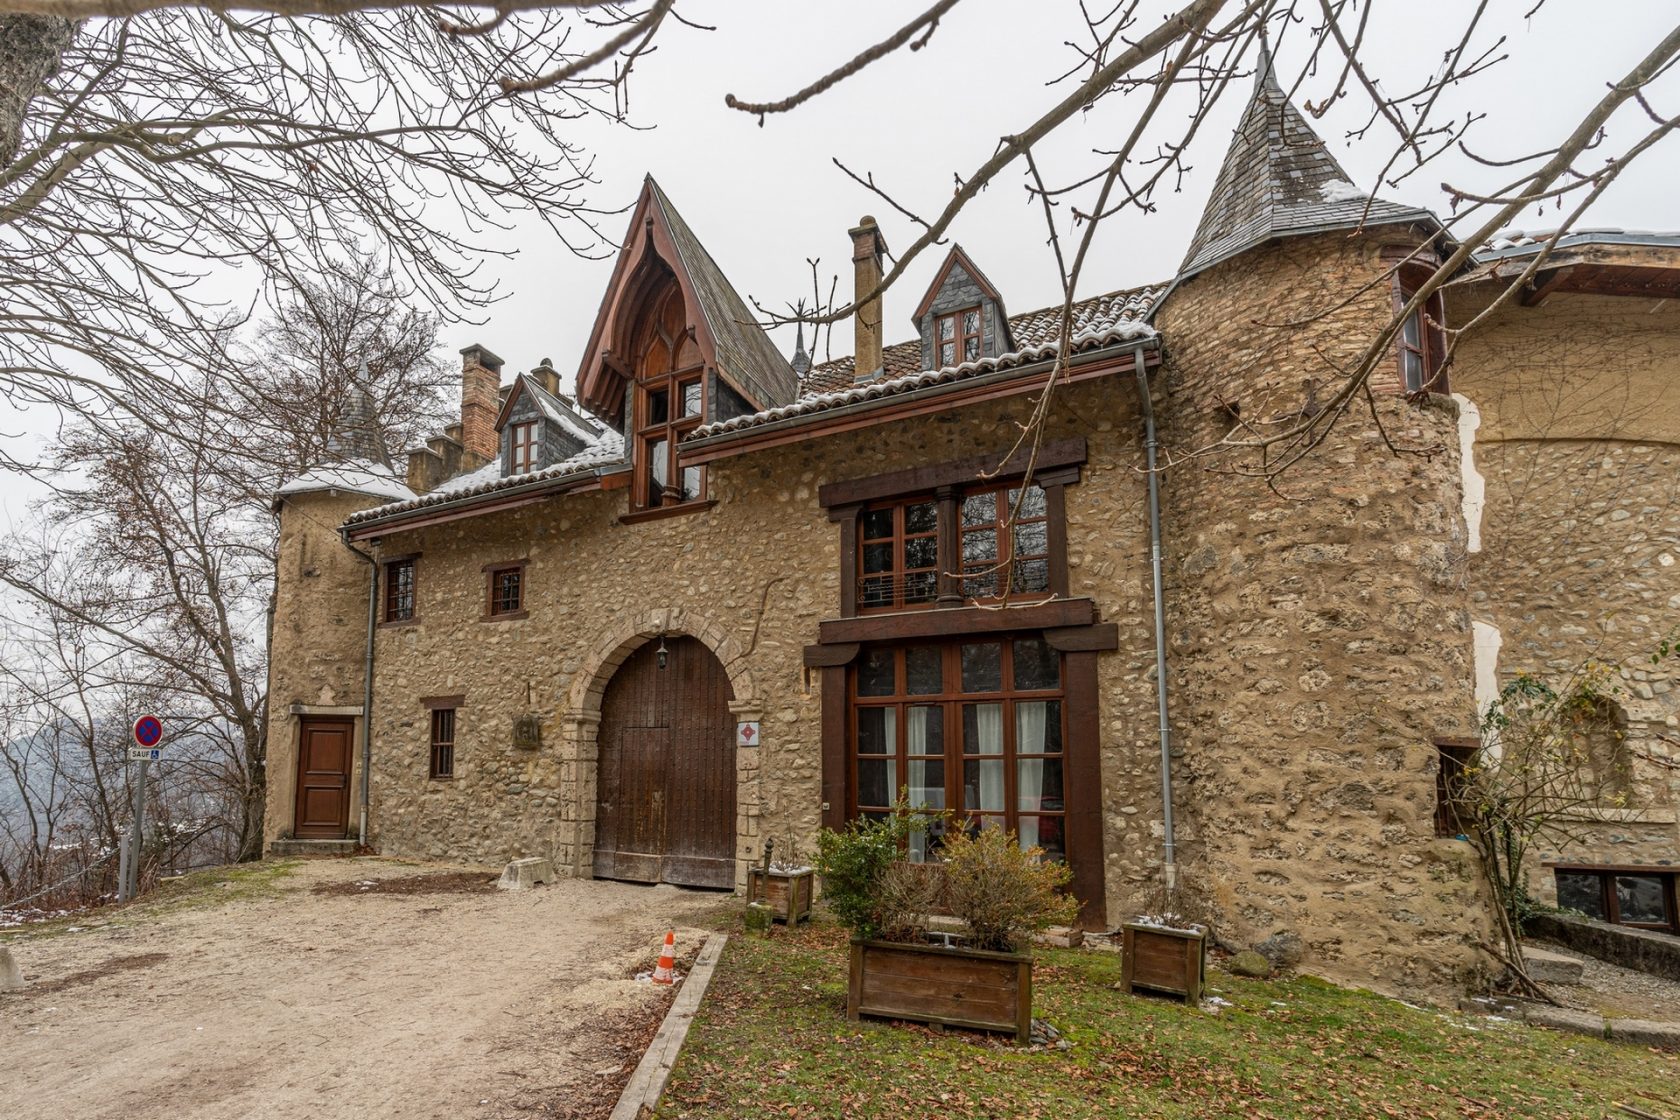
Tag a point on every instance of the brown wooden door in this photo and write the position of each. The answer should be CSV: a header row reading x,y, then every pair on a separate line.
x,y
323,783
665,807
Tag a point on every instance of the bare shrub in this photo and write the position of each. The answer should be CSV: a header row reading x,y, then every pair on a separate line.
x,y
908,895
1002,891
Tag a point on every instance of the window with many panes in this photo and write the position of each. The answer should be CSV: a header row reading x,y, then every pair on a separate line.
x,y
507,590
522,442
898,554
443,743
973,726
956,337
670,402
399,590
1005,542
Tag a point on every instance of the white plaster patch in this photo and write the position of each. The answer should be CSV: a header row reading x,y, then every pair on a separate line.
x,y
1486,640
1475,487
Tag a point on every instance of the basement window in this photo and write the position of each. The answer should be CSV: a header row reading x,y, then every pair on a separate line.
x,y
1630,896
443,743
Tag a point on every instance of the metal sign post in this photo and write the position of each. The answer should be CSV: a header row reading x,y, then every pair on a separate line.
x,y
148,734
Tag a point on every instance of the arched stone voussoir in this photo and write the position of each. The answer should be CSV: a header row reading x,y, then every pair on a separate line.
x,y
635,630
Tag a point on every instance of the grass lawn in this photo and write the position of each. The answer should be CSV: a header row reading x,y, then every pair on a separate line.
x,y
772,1039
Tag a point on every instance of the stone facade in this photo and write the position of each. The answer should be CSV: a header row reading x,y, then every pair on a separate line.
x,y
1577,550
1320,631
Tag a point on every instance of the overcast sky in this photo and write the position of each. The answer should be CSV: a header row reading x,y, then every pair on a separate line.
x,y
765,199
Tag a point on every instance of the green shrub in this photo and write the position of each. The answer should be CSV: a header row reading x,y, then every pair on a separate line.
x,y
852,863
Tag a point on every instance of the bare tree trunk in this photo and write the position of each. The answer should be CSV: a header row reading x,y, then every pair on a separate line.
x,y
31,48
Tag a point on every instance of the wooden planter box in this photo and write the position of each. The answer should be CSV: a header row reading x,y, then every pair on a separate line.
x,y
952,987
788,892
1162,959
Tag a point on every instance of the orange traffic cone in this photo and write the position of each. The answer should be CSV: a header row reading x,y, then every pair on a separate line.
x,y
664,973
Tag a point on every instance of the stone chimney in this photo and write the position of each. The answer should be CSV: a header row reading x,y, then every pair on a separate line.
x,y
481,382
868,247
547,377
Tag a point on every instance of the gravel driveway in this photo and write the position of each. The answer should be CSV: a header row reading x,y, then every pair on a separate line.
x,y
366,988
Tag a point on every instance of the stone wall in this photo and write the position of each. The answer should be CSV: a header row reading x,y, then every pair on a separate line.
x,y
1320,632
317,660
751,578
1576,425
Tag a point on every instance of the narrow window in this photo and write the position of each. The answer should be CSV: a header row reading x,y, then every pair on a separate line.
x,y
670,402
1452,817
1422,339
1005,536
898,555
399,591
507,589
524,445
443,743
957,337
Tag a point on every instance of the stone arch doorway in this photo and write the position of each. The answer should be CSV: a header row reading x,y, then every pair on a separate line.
x,y
665,784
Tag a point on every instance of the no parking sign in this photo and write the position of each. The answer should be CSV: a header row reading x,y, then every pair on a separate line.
x,y
148,733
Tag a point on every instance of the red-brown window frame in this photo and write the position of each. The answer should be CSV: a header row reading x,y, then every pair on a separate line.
x,y
522,447
494,608
1006,537
1610,903
648,431
1430,349
898,542
951,699
960,337
388,601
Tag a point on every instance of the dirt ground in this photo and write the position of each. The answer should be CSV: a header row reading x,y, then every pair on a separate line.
x,y
422,993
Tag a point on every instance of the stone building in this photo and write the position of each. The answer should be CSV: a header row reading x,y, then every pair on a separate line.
x,y
715,596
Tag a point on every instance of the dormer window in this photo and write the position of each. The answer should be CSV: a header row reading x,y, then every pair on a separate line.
x,y
670,402
523,447
958,334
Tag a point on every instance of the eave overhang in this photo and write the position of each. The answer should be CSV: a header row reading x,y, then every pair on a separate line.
x,y
473,505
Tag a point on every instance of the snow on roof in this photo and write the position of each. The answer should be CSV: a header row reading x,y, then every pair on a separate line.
x,y
356,476
1516,242
604,448
1103,329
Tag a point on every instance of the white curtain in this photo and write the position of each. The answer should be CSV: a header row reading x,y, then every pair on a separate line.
x,y
1029,739
988,721
923,755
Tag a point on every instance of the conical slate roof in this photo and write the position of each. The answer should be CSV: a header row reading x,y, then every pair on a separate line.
x,y
355,436
1279,180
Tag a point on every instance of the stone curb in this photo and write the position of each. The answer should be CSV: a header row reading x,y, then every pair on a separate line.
x,y
646,1085
1641,1032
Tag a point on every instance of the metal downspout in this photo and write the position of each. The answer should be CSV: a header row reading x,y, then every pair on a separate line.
x,y
1169,869
367,690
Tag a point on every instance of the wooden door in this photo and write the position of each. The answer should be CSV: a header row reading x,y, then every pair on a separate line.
x,y
665,807
323,782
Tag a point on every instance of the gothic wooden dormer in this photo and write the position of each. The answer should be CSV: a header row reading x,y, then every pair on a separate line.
x,y
673,347
961,319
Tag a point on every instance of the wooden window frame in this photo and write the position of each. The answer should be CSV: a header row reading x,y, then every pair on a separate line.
x,y
649,432
1430,350
1452,756
441,767
1669,878
522,447
960,337
1005,539
898,541
492,610
387,618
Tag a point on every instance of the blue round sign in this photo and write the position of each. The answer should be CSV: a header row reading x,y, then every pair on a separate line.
x,y
148,730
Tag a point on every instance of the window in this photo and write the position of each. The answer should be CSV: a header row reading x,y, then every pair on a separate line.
x,y
1453,764
399,590
507,590
898,554
443,743
1630,896
1005,531
956,337
976,726
670,402
1423,337
523,441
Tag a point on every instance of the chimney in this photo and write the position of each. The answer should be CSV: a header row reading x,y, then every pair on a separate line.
x,y
481,382
547,377
868,246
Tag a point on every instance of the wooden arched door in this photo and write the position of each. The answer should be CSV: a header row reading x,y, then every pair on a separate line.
x,y
665,790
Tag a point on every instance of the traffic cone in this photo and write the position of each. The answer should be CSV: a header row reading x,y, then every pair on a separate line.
x,y
664,973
